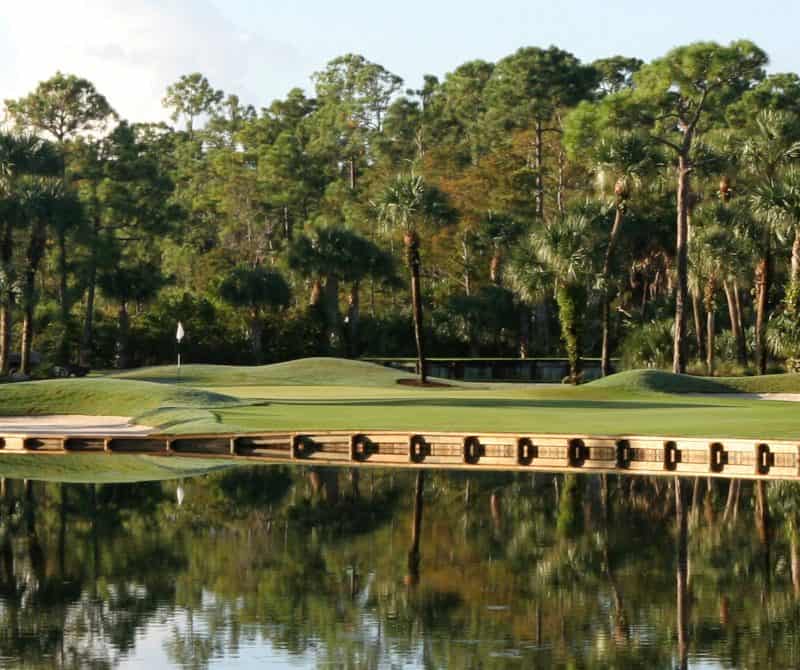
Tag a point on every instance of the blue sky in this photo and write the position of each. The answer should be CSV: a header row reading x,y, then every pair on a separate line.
x,y
132,49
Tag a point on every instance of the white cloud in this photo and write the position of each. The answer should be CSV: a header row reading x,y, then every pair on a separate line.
x,y
133,49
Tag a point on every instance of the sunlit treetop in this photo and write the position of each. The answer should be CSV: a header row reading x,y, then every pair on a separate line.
x,y
64,106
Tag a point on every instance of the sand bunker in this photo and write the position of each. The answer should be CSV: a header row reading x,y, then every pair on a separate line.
x,y
56,424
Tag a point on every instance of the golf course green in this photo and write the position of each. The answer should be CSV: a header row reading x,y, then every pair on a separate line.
x,y
328,393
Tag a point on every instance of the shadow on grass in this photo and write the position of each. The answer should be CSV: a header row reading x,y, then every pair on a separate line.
x,y
487,403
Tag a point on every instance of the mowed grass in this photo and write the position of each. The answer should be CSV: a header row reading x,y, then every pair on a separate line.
x,y
658,381
318,371
320,394
299,396
575,411
100,396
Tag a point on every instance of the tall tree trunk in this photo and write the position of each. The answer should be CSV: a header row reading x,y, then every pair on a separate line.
x,y
561,185
256,337
34,255
539,167
27,328
736,324
795,265
524,330
737,295
412,257
710,305
710,346
87,335
123,336
5,333
616,228
63,298
333,316
681,265
466,265
354,317
698,325
6,296
763,278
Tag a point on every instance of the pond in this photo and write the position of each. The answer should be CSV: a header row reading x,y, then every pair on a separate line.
x,y
298,568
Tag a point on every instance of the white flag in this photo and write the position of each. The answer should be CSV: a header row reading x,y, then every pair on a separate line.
x,y
179,335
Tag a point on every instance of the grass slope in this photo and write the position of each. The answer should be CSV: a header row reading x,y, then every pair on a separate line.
x,y
659,381
304,372
100,396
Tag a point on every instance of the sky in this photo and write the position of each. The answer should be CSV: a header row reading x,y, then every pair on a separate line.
x,y
260,49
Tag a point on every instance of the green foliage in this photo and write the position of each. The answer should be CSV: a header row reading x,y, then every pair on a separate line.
x,y
254,288
571,299
504,179
648,345
63,106
190,97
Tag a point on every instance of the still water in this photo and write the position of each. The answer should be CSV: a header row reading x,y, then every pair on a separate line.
x,y
277,568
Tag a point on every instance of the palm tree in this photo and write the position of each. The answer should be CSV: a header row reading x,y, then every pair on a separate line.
x,y
42,201
406,204
564,247
626,158
253,289
20,155
713,250
770,146
530,283
781,205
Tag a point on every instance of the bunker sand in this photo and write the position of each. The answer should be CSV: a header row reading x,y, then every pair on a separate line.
x,y
57,424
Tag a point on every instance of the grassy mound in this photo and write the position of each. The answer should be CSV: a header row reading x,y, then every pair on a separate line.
x,y
101,396
659,381
303,372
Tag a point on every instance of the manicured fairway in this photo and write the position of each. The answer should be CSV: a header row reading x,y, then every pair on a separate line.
x,y
338,394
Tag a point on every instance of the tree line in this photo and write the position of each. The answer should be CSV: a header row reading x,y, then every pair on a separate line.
x,y
538,205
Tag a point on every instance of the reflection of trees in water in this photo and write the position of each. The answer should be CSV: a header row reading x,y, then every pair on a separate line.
x,y
242,562
73,595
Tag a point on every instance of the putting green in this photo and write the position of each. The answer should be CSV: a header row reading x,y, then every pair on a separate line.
x,y
324,393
